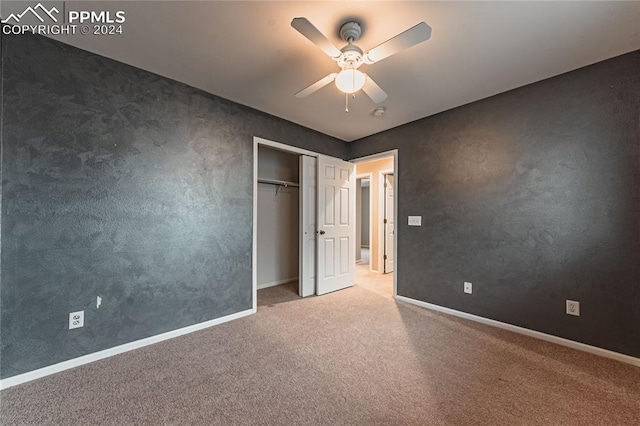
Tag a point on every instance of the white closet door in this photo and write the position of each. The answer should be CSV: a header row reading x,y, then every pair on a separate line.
x,y
307,282
336,224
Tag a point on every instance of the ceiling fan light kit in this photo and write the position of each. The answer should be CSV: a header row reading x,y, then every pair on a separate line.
x,y
350,80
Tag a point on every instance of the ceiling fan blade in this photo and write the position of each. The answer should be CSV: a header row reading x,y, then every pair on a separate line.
x,y
316,86
411,37
307,29
374,91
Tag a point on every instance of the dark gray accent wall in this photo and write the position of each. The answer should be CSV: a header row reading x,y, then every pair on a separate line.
x,y
121,184
534,196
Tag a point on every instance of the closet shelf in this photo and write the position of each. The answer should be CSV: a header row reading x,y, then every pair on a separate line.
x,y
278,182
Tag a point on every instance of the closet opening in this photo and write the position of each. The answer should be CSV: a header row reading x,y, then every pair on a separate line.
x,y
278,225
304,223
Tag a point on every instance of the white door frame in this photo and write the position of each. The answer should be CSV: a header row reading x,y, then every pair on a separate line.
x,y
393,153
359,220
384,225
381,216
254,253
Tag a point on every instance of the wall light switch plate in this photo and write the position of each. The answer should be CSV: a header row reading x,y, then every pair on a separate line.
x,y
573,308
76,320
415,220
468,288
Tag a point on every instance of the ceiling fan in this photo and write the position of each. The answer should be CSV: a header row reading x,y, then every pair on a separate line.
x,y
349,80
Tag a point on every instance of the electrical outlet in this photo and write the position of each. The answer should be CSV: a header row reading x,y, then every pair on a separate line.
x,y
573,308
468,288
76,320
415,220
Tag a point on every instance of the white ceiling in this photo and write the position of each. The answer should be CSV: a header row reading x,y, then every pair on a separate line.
x,y
248,52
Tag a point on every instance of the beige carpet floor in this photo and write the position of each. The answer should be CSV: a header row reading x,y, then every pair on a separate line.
x,y
353,357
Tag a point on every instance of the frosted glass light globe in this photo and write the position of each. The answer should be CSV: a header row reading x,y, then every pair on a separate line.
x,y
349,81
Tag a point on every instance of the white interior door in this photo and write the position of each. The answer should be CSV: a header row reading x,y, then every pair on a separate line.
x,y
307,281
358,220
389,223
336,224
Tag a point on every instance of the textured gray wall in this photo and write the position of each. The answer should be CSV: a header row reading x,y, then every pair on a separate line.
x,y
534,196
123,184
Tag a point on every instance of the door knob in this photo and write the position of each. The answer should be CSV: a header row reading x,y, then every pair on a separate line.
x,y
321,232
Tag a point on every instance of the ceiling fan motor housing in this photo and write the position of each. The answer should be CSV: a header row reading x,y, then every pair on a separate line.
x,y
351,55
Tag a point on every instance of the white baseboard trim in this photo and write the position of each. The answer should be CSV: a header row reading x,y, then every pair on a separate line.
x,y
527,332
96,356
275,283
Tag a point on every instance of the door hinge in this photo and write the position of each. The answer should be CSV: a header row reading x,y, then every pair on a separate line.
x,y
385,221
385,257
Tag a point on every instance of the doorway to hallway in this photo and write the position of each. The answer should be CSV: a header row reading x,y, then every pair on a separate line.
x,y
377,183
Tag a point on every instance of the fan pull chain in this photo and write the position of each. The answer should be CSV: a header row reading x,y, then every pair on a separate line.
x,y
346,101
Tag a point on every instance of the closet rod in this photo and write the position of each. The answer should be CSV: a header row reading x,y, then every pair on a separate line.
x,y
279,182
